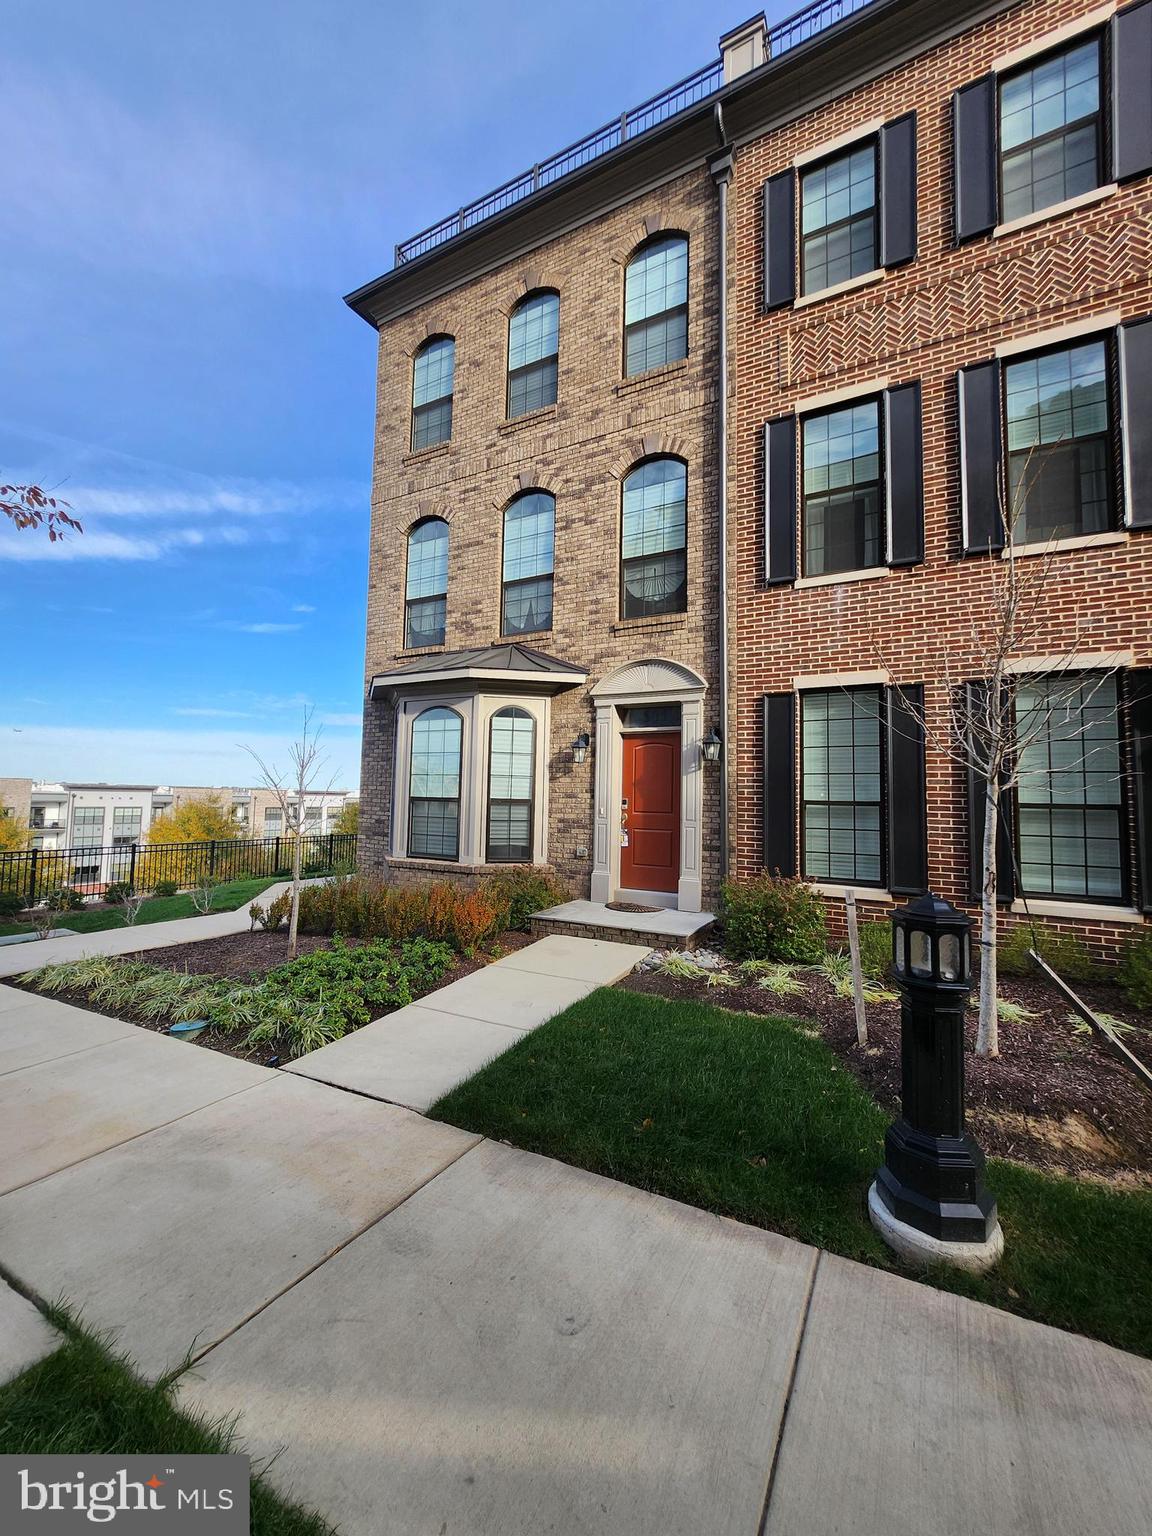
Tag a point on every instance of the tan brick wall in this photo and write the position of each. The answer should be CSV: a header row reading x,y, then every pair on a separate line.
x,y
947,308
577,450
17,795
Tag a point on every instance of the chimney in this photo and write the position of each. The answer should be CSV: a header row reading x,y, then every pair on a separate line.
x,y
745,48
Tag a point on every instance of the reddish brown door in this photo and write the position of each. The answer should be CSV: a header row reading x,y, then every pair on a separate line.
x,y
650,861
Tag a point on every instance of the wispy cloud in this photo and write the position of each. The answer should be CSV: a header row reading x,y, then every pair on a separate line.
x,y
341,720
260,628
303,608
98,545
219,714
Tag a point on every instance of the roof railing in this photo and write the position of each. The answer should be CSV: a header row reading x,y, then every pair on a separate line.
x,y
630,125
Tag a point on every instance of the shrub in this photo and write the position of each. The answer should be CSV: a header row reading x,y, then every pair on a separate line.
x,y
277,912
64,899
476,921
773,918
875,949
11,905
1065,953
359,984
524,891
165,888
1135,972
118,892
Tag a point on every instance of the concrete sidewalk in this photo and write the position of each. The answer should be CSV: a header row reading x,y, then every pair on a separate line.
x,y
15,959
439,1333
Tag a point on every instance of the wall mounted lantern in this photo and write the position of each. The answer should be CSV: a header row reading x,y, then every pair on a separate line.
x,y
580,747
711,746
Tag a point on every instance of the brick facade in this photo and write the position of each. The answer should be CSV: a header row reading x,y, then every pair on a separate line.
x,y
579,450
949,307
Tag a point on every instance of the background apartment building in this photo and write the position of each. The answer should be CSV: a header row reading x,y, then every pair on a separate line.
x,y
108,817
943,287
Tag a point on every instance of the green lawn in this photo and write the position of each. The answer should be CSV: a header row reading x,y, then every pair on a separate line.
x,y
751,1118
160,909
85,1400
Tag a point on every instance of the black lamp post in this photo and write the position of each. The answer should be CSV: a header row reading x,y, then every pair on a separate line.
x,y
929,1200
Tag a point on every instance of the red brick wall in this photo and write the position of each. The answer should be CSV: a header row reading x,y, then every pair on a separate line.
x,y
947,308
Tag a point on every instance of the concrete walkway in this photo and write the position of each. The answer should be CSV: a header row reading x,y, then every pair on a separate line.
x,y
15,959
442,1334
415,1055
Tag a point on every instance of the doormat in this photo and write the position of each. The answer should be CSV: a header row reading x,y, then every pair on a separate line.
x,y
629,906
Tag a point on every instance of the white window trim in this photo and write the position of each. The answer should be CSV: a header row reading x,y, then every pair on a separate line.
x,y
1079,661
1074,908
862,280
816,681
838,578
862,892
1065,34
829,147
1039,341
476,711
811,404
1075,541
1054,210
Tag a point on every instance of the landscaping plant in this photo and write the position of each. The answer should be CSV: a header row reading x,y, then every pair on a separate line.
x,y
520,892
1064,952
773,918
11,904
1135,972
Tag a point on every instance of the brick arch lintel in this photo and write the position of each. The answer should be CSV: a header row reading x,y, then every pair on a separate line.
x,y
651,446
425,509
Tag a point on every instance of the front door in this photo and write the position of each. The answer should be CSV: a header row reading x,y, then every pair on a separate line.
x,y
650,814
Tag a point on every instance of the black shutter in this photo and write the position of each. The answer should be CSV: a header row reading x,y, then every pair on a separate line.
x,y
905,474
1138,695
780,240
1132,91
1136,421
907,792
1005,867
898,191
780,500
978,393
780,783
974,158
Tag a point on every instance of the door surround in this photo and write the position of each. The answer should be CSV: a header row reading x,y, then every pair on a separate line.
x,y
651,681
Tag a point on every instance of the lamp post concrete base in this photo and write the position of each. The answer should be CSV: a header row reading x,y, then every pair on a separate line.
x,y
919,1248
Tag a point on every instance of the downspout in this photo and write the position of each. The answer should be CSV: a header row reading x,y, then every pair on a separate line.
x,y
721,169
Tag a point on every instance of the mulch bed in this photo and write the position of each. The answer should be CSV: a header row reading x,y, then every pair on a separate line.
x,y
247,957
1053,1098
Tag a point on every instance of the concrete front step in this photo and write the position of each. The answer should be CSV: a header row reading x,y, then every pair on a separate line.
x,y
667,928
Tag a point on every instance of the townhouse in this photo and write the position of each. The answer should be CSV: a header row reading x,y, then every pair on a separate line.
x,y
696,446
943,354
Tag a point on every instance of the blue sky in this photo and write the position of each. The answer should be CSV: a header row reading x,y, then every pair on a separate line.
x,y
188,192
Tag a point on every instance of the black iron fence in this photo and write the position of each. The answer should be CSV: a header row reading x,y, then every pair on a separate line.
x,y
37,872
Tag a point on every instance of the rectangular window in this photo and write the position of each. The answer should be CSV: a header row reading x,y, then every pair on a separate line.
x,y
1070,800
510,772
125,825
533,345
843,515
1058,421
273,823
1051,139
529,551
654,537
88,826
434,785
838,225
656,305
842,786
432,384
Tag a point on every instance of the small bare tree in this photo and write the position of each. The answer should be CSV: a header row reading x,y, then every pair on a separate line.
x,y
999,715
307,762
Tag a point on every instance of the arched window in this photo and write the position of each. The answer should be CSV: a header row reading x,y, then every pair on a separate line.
x,y
533,344
656,305
653,540
432,376
426,590
529,531
511,773
434,785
